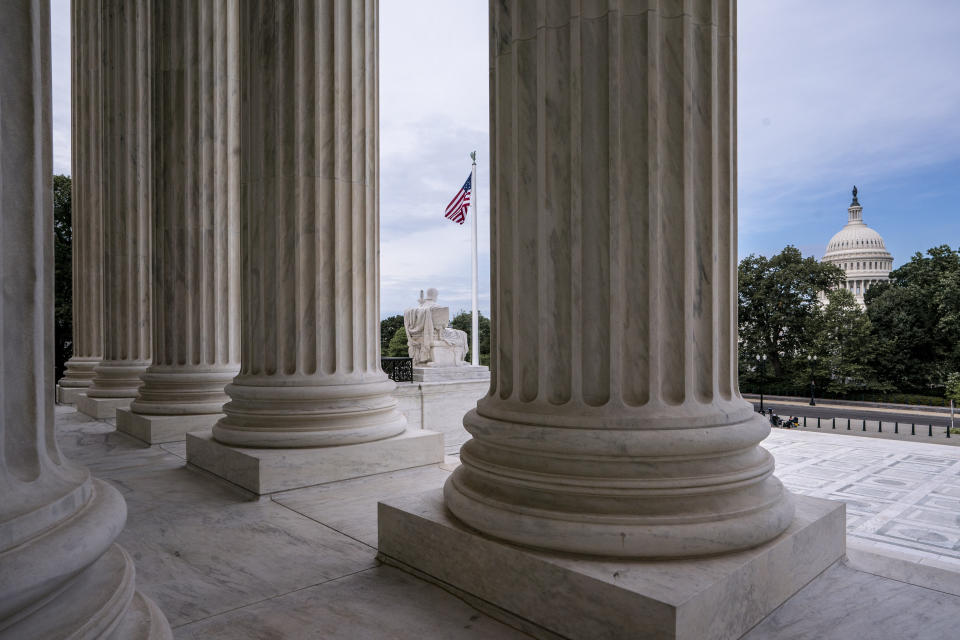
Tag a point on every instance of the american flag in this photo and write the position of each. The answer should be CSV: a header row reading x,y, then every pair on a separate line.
x,y
457,209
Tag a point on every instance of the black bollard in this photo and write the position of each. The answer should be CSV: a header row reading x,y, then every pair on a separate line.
x,y
896,427
948,431
834,424
913,430
848,424
804,420
879,426
864,425
930,430
818,422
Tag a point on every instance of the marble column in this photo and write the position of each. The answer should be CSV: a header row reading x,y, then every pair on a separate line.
x,y
126,195
614,425
61,574
87,214
310,374
196,260
614,428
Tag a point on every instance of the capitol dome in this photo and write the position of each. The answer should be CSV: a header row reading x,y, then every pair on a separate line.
x,y
860,252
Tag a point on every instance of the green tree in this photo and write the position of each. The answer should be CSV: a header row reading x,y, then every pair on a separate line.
x,y
953,388
841,337
916,322
464,322
398,344
388,327
778,299
63,274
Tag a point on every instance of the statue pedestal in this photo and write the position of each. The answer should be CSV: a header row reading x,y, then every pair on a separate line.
x,y
442,356
448,373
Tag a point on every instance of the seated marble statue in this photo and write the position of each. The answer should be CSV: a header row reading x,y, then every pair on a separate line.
x,y
431,342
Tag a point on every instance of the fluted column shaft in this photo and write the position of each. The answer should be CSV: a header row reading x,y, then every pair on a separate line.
x,y
60,573
310,372
196,333
126,81
86,216
614,424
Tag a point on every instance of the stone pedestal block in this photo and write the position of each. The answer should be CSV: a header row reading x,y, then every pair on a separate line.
x,y
69,395
444,374
266,471
712,598
102,408
440,406
155,429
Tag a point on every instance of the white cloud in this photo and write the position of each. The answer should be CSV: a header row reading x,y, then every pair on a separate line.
x,y
841,91
60,87
828,92
434,78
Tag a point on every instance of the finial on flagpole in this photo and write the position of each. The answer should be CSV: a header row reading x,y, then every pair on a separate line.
x,y
473,156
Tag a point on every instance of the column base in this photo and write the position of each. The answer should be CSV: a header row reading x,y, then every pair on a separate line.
x,y
266,471
582,597
156,429
99,603
70,395
101,408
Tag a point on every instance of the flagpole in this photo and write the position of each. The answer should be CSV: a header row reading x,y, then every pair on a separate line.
x,y
475,321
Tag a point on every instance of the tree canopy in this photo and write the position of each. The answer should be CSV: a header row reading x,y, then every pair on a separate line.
x,y
916,320
388,327
907,340
778,298
464,322
63,274
397,348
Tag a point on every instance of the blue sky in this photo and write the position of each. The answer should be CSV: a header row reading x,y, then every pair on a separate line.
x,y
831,93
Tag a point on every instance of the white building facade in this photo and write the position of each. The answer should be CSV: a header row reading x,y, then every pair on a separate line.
x,y
860,252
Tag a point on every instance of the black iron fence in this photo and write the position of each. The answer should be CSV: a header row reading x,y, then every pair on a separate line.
x,y
862,424
398,369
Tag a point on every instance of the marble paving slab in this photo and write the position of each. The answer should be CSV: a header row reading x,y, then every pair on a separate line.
x,y
224,564
900,496
198,565
350,507
211,554
372,605
845,604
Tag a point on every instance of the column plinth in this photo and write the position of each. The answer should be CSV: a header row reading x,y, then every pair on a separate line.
x,y
125,181
61,574
614,428
195,322
310,375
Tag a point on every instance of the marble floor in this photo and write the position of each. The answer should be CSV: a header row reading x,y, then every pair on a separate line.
x,y
901,497
226,565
